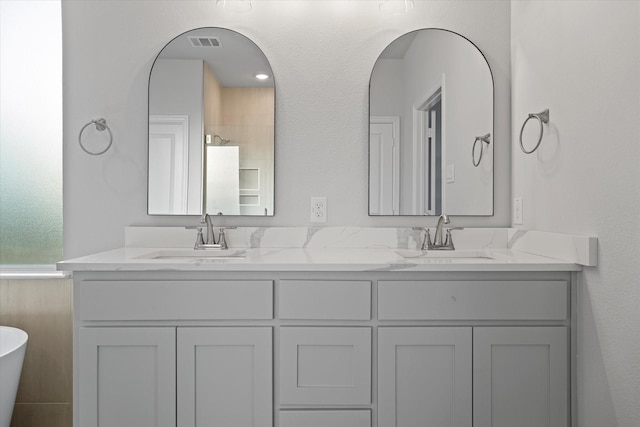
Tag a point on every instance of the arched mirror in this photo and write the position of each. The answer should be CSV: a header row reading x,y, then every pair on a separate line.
x,y
431,107
211,126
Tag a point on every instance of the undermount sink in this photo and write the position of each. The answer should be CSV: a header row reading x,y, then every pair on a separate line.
x,y
186,254
415,253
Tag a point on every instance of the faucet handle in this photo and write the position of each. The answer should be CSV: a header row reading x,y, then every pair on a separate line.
x,y
222,241
427,237
448,241
199,238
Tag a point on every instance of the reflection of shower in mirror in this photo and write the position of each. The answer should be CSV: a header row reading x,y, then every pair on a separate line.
x,y
212,141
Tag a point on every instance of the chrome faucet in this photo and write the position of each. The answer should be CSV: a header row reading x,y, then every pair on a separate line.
x,y
210,241
438,242
437,238
206,220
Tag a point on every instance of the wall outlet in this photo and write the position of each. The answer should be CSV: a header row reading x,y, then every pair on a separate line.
x,y
517,210
318,209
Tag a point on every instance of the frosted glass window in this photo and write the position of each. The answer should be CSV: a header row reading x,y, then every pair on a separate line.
x,y
30,132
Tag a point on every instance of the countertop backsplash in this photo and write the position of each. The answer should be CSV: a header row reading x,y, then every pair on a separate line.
x,y
571,248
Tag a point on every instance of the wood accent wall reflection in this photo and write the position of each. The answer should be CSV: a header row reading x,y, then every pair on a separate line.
x,y
42,308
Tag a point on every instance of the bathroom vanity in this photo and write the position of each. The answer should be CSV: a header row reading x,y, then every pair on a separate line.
x,y
310,337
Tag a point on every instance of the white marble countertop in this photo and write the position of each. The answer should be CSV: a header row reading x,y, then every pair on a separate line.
x,y
314,259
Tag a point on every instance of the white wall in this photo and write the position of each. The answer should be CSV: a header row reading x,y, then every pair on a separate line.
x,y
582,61
322,54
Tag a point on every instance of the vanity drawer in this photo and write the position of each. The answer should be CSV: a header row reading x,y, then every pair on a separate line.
x,y
174,300
477,300
342,418
325,299
325,365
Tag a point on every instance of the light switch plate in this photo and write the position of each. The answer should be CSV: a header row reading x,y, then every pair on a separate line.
x,y
451,173
517,210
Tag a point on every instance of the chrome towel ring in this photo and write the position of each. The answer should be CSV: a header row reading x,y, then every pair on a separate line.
x,y
484,138
543,117
101,125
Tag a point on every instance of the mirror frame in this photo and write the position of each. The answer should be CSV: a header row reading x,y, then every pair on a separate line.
x,y
493,127
202,195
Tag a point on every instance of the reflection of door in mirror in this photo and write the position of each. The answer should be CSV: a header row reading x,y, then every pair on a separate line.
x,y
384,197
435,194
169,164
427,153
438,124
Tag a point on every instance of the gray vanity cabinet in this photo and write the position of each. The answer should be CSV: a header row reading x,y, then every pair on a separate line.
x,y
317,349
501,358
162,353
481,376
145,377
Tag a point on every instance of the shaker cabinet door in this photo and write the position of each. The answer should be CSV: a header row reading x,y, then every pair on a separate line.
x,y
225,377
325,366
520,377
424,373
127,377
